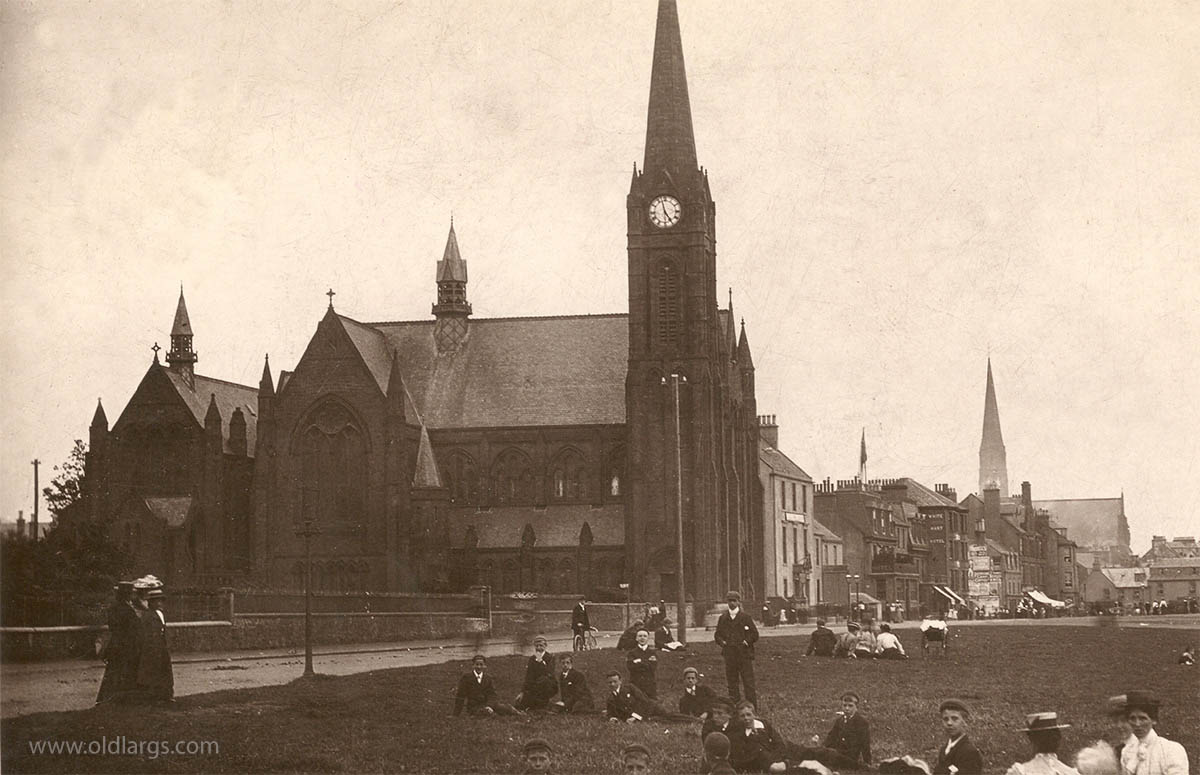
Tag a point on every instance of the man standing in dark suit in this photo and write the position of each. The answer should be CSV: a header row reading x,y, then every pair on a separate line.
x,y
580,623
958,755
736,635
851,735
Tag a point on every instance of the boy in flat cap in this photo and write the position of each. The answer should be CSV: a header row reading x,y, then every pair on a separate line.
x,y
635,760
736,635
540,684
958,756
851,734
536,753
697,700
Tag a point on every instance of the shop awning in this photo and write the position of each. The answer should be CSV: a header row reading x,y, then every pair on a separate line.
x,y
945,593
1045,599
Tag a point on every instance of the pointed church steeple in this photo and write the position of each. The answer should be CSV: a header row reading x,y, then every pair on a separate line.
x,y
452,308
993,460
670,142
182,357
266,386
99,419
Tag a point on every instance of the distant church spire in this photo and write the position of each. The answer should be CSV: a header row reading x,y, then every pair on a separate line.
x,y
993,461
452,308
670,142
182,357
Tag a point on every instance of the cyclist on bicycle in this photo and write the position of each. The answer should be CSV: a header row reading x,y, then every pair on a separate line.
x,y
580,623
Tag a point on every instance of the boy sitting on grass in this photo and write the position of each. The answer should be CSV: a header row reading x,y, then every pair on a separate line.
x,y
477,693
851,734
958,755
697,700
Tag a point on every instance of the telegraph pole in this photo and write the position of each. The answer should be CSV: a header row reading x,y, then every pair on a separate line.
x,y
681,595
36,497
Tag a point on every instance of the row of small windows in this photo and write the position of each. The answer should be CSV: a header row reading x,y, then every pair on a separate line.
x,y
513,480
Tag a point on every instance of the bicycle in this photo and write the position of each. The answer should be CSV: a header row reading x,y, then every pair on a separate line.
x,y
584,641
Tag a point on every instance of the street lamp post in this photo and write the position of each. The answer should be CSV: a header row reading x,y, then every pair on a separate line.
x,y
851,578
307,531
681,605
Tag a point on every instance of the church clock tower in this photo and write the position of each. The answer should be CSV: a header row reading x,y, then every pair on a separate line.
x,y
673,329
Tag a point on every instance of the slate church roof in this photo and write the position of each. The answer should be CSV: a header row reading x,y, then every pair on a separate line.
x,y
229,395
511,372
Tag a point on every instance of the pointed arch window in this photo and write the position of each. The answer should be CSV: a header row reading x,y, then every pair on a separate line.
x,y
333,454
512,479
615,473
462,481
569,480
670,313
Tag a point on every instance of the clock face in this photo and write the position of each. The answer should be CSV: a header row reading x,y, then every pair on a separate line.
x,y
665,211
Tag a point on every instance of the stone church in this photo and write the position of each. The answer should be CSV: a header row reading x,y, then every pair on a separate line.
x,y
528,453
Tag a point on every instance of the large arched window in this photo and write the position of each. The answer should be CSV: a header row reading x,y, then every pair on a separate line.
x,y
670,310
462,481
568,481
333,453
512,479
614,474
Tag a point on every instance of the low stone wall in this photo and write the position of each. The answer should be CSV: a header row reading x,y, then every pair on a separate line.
x,y
38,644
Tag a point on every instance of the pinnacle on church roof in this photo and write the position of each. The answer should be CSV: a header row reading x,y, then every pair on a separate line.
x,y
452,267
99,419
670,143
426,474
182,326
266,386
213,415
743,351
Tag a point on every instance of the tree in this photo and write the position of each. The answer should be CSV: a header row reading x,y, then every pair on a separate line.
x,y
66,488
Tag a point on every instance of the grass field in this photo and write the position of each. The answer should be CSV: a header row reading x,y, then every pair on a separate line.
x,y
399,720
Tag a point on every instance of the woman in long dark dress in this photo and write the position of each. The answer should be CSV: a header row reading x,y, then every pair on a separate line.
x,y
124,646
155,680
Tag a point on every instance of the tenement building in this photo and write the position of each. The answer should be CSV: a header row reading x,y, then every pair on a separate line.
x,y
528,453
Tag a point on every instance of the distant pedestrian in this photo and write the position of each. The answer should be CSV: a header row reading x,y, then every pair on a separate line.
x,y
1045,736
736,634
155,676
121,652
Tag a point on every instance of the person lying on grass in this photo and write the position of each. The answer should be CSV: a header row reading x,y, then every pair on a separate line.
x,y
755,745
697,700
850,735
540,684
477,693
626,702
958,755
642,663
573,693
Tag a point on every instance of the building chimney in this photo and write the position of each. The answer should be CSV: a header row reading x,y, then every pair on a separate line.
x,y
1027,506
20,524
768,430
991,508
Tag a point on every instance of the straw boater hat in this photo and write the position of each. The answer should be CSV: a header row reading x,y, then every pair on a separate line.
x,y
1043,722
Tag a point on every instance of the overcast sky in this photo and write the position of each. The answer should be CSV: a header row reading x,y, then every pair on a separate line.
x,y
902,188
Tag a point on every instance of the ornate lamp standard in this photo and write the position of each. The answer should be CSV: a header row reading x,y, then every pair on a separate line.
x,y
307,531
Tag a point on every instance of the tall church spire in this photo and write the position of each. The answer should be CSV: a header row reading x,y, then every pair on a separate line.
x,y
993,461
452,308
182,357
670,144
